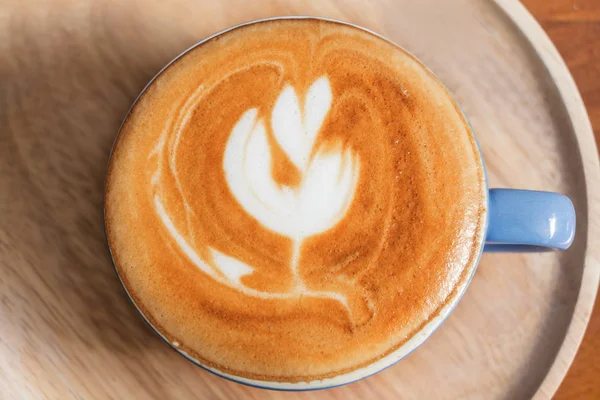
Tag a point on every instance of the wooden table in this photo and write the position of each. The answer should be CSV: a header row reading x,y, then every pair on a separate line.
x,y
574,27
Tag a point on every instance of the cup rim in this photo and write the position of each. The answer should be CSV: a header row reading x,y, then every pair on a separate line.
x,y
405,349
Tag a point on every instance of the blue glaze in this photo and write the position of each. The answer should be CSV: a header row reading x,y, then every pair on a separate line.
x,y
529,221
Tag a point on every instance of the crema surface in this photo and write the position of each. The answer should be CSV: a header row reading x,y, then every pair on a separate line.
x,y
294,199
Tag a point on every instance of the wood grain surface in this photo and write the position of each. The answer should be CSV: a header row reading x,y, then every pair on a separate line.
x,y
69,71
574,27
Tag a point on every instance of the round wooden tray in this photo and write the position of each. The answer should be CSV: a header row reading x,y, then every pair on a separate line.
x,y
70,71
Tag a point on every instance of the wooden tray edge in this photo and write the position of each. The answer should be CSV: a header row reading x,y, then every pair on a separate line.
x,y
558,70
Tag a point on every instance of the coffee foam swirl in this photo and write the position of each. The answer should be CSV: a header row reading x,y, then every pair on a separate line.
x,y
317,204
293,200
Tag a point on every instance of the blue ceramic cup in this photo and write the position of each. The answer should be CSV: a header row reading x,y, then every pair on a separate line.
x,y
518,220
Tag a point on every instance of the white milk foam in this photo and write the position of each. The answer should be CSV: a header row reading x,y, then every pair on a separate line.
x,y
328,180
319,202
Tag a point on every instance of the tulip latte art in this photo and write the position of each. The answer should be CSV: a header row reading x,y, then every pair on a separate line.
x,y
293,200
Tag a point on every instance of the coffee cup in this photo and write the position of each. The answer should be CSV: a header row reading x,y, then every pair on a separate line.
x,y
297,203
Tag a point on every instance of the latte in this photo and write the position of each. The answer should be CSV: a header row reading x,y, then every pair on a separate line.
x,y
294,199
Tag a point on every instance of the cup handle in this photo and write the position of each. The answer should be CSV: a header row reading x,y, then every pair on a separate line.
x,y
529,221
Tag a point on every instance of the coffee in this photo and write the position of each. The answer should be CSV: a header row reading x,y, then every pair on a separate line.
x,y
294,199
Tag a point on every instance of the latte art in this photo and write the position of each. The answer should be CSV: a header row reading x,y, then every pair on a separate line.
x,y
328,178
294,200
318,202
